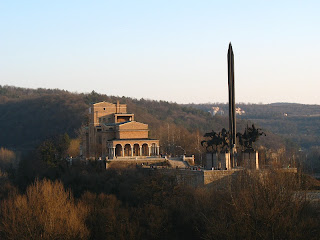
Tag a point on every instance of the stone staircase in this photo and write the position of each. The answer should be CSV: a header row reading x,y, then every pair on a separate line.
x,y
178,163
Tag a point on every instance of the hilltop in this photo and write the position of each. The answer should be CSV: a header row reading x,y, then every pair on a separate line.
x,y
29,116
299,123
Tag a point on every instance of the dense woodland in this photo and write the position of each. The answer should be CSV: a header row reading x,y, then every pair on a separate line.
x,y
42,197
30,116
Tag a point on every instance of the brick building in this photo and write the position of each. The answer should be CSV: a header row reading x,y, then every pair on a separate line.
x,y
113,133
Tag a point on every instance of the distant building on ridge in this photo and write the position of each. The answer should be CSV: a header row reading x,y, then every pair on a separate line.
x,y
239,111
216,110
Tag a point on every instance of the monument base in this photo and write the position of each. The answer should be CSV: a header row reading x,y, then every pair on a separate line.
x,y
215,161
249,160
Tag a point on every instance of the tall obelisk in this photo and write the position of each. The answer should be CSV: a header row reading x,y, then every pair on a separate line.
x,y
232,107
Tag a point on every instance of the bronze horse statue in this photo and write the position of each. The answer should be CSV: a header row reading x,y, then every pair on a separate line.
x,y
218,141
250,135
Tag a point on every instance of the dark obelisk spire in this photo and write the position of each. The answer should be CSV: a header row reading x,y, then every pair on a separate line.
x,y
232,107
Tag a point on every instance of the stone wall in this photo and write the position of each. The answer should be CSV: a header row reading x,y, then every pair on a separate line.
x,y
133,162
218,161
210,176
104,109
142,134
248,160
196,178
185,176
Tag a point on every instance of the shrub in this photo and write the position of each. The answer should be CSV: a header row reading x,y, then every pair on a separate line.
x,y
107,219
7,158
46,211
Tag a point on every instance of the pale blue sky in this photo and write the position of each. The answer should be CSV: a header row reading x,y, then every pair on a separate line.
x,y
168,50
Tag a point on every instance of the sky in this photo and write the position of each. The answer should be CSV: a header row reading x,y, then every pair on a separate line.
x,y
164,50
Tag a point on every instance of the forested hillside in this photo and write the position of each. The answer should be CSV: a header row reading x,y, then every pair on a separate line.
x,y
298,122
85,201
30,116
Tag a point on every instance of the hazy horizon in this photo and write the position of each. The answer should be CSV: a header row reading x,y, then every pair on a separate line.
x,y
150,99
164,50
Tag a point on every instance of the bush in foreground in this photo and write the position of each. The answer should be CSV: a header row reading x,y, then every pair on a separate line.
x,y
46,211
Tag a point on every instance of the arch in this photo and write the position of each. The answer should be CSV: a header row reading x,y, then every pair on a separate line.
x,y
145,149
118,150
136,149
127,150
153,149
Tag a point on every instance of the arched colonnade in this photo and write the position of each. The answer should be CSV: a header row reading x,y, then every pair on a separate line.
x,y
133,150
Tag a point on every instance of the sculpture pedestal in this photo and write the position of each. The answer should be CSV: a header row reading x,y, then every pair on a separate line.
x,y
215,161
249,160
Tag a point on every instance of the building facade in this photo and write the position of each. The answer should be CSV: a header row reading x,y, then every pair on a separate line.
x,y
113,133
